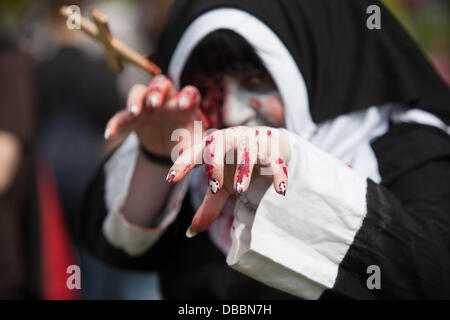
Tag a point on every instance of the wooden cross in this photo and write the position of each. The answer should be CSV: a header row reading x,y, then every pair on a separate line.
x,y
116,51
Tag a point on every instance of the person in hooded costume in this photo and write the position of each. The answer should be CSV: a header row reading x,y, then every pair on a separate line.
x,y
360,202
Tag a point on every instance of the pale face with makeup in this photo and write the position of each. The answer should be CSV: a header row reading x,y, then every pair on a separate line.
x,y
251,106
251,100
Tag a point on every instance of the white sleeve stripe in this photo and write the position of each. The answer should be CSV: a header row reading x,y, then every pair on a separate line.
x,y
307,234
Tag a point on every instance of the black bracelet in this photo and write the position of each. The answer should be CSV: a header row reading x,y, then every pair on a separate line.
x,y
161,160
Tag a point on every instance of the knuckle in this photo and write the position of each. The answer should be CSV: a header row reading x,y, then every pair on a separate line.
x,y
137,88
191,89
158,78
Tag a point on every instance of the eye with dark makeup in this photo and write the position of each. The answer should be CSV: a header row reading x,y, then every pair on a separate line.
x,y
256,80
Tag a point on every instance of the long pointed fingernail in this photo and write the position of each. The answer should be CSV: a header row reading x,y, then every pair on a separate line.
x,y
190,233
107,134
282,187
214,185
171,176
133,109
240,187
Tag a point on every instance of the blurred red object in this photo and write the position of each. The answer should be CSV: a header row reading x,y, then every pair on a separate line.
x,y
56,249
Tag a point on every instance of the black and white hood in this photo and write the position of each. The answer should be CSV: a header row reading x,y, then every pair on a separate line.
x,y
323,47
326,64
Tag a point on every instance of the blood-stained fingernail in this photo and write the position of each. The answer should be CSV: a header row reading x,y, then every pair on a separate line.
x,y
133,109
171,176
240,186
154,100
183,103
214,185
190,233
282,187
107,134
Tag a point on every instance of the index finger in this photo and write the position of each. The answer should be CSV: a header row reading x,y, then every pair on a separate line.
x,y
188,160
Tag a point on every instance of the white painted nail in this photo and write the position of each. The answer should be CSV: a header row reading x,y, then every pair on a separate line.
x,y
183,103
190,233
107,134
282,187
171,176
154,100
240,186
133,109
214,185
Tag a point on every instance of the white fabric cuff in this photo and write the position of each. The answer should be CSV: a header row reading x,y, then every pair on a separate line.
x,y
133,239
296,243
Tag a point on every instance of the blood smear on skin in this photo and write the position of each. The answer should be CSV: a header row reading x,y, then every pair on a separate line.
x,y
255,103
244,167
209,170
187,168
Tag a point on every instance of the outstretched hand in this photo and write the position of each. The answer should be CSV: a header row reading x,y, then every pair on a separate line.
x,y
260,151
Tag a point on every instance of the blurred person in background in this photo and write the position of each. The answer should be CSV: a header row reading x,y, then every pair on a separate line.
x,y
19,263
74,93
77,92
36,247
